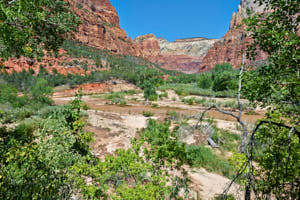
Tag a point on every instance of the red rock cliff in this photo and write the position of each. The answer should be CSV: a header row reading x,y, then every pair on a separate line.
x,y
229,48
100,27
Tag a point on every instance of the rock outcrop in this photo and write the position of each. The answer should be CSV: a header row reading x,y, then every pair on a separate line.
x,y
100,27
148,45
183,55
196,47
229,48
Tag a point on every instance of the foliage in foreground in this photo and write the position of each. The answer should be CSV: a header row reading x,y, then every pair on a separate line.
x,y
29,27
274,143
48,157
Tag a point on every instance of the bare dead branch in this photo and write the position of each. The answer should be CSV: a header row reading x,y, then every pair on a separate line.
x,y
277,124
11,2
249,154
237,117
240,172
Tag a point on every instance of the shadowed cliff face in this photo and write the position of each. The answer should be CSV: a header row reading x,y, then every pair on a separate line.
x,y
229,48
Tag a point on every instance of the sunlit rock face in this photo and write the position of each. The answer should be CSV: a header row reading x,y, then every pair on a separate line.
x,y
246,8
100,27
229,48
183,55
196,47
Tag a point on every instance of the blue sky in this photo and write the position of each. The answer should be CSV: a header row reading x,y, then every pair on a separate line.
x,y
175,19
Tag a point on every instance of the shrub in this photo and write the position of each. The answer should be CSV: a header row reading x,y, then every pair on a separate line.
x,y
225,81
153,97
205,80
181,92
85,107
150,91
147,114
155,105
200,100
8,94
117,98
189,101
41,92
172,114
119,101
163,95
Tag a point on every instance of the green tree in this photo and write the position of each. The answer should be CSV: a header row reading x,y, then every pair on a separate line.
x,y
274,142
8,94
27,27
149,88
41,92
225,81
219,68
276,33
224,77
37,156
205,80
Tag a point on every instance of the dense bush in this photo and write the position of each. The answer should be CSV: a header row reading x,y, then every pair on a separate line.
x,y
205,80
225,81
117,98
182,78
221,78
37,156
147,114
150,91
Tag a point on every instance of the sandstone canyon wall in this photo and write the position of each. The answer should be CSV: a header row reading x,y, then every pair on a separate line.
x,y
183,55
229,48
99,28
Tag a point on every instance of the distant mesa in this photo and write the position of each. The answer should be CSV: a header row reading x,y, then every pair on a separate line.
x,y
193,39
183,55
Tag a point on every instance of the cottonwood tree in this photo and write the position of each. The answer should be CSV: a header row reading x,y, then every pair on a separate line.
x,y
27,27
274,142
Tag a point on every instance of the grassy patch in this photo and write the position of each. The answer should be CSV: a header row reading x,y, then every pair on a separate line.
x,y
226,140
192,89
206,158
